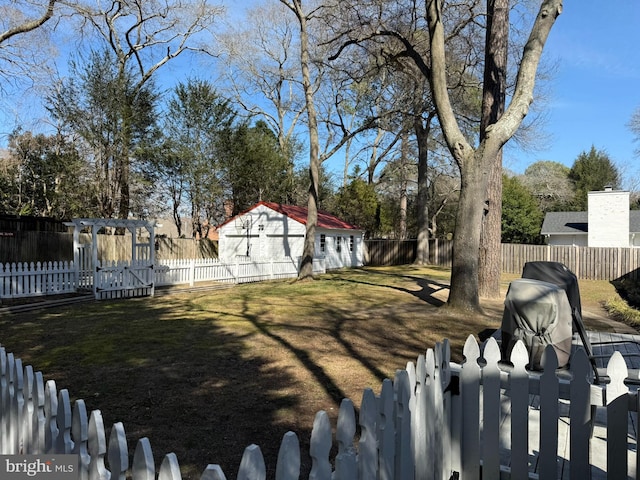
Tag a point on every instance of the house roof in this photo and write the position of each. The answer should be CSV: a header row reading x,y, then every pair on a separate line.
x,y
567,223
299,214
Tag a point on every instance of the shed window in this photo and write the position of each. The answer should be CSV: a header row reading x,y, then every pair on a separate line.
x,y
338,248
323,242
351,243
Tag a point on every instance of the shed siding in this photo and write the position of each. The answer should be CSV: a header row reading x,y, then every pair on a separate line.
x,y
339,249
269,234
265,233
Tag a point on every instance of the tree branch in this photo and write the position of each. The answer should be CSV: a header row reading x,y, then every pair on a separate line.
x,y
28,26
506,127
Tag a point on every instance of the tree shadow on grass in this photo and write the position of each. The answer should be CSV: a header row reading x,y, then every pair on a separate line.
x,y
190,386
426,290
205,382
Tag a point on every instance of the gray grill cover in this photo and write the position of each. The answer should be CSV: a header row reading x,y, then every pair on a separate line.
x,y
539,314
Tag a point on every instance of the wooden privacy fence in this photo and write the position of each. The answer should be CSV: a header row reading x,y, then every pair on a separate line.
x,y
436,420
402,252
588,263
28,246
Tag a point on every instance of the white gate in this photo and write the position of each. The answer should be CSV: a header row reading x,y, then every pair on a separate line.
x,y
115,279
123,279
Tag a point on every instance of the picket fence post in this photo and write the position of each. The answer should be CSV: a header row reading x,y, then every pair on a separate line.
x,y
470,394
386,432
580,415
346,466
368,450
288,464
617,395
143,465
80,432
491,409
407,432
549,412
38,424
320,447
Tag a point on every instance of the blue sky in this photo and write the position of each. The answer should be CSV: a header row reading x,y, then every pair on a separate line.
x,y
596,87
596,47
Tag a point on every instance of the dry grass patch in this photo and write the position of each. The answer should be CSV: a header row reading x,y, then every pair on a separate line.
x,y
204,375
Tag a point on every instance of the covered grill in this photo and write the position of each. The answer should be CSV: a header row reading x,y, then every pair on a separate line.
x,y
539,314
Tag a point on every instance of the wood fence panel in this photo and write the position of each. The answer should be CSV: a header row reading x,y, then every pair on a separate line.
x,y
389,252
588,263
31,246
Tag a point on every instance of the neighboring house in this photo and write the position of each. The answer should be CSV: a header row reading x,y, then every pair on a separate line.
x,y
607,223
272,230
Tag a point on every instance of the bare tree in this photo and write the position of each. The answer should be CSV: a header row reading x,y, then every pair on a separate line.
x,y
144,36
259,62
337,133
26,52
306,266
147,34
634,126
475,163
25,25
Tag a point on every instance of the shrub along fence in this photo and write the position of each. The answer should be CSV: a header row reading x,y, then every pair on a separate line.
x,y
436,419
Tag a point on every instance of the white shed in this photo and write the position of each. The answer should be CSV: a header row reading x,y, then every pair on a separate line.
x,y
273,230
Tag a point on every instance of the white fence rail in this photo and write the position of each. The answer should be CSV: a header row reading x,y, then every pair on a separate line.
x,y
111,279
423,425
31,279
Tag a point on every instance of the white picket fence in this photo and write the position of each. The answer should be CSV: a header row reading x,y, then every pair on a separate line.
x,y
237,270
117,279
30,279
423,425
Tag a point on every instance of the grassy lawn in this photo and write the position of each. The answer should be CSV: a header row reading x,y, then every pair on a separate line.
x,y
206,374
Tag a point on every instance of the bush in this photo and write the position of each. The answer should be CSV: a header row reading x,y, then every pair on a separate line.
x,y
625,306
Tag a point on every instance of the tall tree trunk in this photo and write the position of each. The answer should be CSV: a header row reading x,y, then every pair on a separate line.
x,y
422,135
403,185
306,266
463,294
490,254
475,164
493,103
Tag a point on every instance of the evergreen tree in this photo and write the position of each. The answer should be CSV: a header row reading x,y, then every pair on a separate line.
x,y
521,215
190,166
116,121
357,203
45,176
255,167
592,171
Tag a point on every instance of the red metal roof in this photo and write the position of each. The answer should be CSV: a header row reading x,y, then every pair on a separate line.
x,y
299,214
